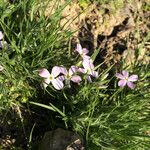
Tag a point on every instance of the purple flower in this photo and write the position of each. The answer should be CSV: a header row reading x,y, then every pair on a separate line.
x,y
88,69
126,79
51,78
82,51
69,75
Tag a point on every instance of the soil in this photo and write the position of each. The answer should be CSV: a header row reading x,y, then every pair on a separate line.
x,y
116,29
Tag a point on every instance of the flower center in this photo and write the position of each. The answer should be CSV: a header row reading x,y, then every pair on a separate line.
x,y
126,78
51,77
67,76
88,70
81,54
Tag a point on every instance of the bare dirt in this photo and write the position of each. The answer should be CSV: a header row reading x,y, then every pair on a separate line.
x,y
117,29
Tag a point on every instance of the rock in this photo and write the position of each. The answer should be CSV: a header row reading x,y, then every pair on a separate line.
x,y
60,139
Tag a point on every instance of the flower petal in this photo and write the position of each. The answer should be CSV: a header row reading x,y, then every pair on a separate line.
x,y
133,78
56,71
94,73
76,79
120,76
86,57
122,83
79,48
63,70
61,78
44,73
1,35
131,85
57,84
72,70
85,50
46,82
82,70
89,78
88,64
125,73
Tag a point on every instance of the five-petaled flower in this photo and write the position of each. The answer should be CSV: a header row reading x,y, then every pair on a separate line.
x,y
88,69
82,51
70,75
51,77
126,79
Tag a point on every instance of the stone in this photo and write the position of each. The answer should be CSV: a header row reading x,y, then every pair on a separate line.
x,y
61,139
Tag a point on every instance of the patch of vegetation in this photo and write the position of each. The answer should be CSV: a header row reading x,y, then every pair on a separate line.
x,y
113,3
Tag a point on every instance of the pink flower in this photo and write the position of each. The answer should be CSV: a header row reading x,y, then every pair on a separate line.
x,y
88,69
82,51
69,75
126,79
51,78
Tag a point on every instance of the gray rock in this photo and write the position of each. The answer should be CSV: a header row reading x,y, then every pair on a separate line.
x,y
60,139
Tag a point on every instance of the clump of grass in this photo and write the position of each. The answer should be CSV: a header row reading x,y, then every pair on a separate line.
x,y
34,41
114,118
